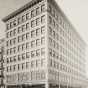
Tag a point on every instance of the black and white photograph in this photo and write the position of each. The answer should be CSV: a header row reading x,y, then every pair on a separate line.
x,y
43,43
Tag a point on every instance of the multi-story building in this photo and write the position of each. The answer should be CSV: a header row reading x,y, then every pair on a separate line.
x,y
2,85
42,48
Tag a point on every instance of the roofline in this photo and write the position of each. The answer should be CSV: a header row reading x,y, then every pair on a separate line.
x,y
21,9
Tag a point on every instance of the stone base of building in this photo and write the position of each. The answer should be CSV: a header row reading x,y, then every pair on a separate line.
x,y
26,86
39,86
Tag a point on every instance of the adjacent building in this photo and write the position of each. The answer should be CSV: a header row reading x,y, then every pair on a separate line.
x,y
43,49
2,85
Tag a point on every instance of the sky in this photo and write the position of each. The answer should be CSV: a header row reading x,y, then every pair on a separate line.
x,y
75,10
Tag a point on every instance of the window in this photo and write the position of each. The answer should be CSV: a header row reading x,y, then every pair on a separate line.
x,y
11,24
10,68
43,40
49,8
53,53
32,64
27,64
23,18
27,16
38,11
7,26
38,52
18,66
23,56
43,8
43,75
50,41
33,44
33,23
14,58
38,76
23,28
60,20
57,27
19,20
38,32
33,73
38,63
7,69
19,48
27,26
32,54
50,52
33,34
10,42
19,38
27,45
43,30
19,29
11,50
50,20
42,62
8,51
8,34
53,12
61,67
33,13
14,32
7,60
54,64
51,62
50,31
53,43
23,47
7,43
56,16
11,59
38,42
43,19
57,46
19,57
53,33
14,41
27,54
53,23
27,36
38,20
23,66
57,36
14,49
57,56
11,33
42,51
14,22
23,37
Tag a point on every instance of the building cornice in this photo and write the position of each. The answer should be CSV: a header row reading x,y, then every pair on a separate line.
x,y
23,8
